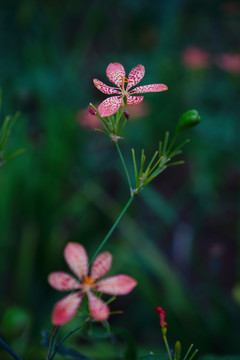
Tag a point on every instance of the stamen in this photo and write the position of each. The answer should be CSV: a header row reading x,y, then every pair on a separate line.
x,y
88,280
124,80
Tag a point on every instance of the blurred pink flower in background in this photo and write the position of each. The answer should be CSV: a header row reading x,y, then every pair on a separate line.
x,y
77,259
88,120
195,58
229,62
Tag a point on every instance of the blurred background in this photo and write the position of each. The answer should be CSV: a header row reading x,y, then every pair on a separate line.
x,y
181,237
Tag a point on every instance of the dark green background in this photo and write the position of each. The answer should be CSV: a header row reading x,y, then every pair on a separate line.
x,y
180,238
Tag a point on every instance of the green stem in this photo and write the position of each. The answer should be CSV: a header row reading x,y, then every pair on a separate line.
x,y
167,347
52,342
195,352
65,338
112,229
124,166
187,353
9,350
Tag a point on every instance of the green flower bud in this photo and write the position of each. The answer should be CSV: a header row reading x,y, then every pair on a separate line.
x,y
189,119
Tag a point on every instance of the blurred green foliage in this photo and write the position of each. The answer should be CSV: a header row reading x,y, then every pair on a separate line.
x,y
181,237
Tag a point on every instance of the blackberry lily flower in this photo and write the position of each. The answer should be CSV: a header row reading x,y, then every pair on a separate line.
x,y
77,259
116,74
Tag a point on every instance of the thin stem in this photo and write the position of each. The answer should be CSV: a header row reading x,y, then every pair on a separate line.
x,y
135,168
66,337
151,162
172,142
165,144
195,352
112,229
167,347
120,114
124,166
52,342
187,353
9,350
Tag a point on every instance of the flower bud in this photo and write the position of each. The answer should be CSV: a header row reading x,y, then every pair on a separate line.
x,y
126,113
91,110
162,316
189,119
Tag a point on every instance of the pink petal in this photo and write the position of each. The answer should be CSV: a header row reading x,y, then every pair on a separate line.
x,y
110,106
101,265
116,73
149,88
61,281
134,100
65,309
77,259
98,309
105,88
135,75
116,285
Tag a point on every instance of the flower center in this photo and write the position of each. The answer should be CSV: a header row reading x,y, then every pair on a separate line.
x,y
124,80
87,282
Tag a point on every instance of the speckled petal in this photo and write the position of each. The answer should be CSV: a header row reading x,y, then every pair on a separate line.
x,y
116,73
110,106
105,88
98,309
65,309
135,75
77,259
134,100
149,88
116,285
101,265
62,281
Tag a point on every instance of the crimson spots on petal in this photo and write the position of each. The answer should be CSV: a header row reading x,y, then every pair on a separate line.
x,y
134,100
110,106
135,75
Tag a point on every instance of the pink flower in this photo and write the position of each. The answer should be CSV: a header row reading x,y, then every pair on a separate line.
x,y
116,74
229,62
77,259
162,316
195,58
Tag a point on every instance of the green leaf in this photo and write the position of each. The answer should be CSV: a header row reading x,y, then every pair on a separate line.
x,y
189,119
131,349
177,352
62,350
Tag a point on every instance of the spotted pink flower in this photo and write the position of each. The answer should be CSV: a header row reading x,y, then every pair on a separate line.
x,y
116,74
77,259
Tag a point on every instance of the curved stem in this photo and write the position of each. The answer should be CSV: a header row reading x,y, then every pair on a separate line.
x,y
67,336
167,347
112,229
9,350
52,342
124,166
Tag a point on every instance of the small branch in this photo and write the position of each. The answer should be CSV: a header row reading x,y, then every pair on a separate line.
x,y
124,166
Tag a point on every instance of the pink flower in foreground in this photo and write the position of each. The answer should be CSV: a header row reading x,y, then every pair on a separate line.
x,y
116,74
77,259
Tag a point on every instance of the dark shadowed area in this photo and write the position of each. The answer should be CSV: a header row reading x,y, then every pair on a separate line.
x,y
181,236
